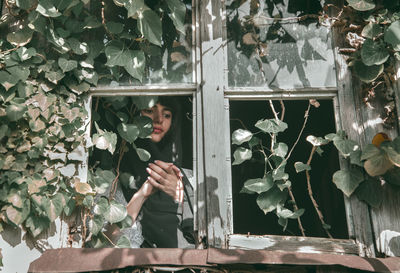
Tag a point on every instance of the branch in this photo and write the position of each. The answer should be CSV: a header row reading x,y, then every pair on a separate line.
x,y
296,208
310,193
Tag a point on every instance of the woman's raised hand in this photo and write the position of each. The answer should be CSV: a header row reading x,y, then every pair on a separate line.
x,y
166,177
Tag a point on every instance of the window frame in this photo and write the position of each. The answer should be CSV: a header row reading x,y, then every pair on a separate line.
x,y
217,165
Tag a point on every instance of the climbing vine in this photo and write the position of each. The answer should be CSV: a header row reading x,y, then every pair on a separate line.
x,y
52,52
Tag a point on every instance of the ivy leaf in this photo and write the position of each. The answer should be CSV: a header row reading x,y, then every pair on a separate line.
x,y
367,73
123,242
143,154
369,151
269,200
105,141
392,150
7,80
115,53
96,224
145,125
371,192
57,204
14,215
240,136
240,155
288,214
392,35
143,102
101,206
20,37
78,47
26,53
300,166
317,141
378,164
272,126
116,212
15,111
393,176
371,30
362,5
178,13
54,76
259,185
135,63
25,4
114,27
280,149
46,8
103,180
348,180
133,7
346,146
129,132
19,72
374,53
67,65
149,24
37,224
83,188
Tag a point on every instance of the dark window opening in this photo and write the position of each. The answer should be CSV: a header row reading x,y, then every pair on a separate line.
x,y
248,217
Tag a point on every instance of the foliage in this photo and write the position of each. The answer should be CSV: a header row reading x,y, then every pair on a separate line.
x,y
51,53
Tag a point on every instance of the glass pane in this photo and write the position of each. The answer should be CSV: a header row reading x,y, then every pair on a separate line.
x,y
135,138
266,48
135,54
272,162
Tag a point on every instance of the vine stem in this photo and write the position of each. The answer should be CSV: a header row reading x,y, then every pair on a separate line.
x,y
114,183
306,115
108,239
296,208
310,193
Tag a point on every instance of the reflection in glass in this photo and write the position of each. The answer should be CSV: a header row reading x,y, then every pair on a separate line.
x,y
140,60
278,44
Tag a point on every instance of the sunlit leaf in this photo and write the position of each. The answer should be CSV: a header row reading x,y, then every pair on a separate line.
x,y
135,63
67,65
374,53
83,188
348,180
149,24
14,215
96,224
371,30
272,126
240,155
116,212
143,154
288,214
15,111
269,200
47,8
367,73
259,185
20,37
346,146
392,35
129,132
377,165
240,136
178,12
300,166
123,242
280,149
317,141
362,5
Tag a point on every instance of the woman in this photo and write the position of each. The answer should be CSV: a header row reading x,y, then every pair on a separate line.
x,y
158,191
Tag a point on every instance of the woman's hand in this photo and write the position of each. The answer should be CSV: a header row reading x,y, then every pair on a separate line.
x,y
166,177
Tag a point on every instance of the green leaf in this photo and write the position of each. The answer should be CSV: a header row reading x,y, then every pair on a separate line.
x,y
54,76
145,125
269,200
393,176
346,146
20,37
371,30
374,53
25,4
272,126
15,111
115,53
377,165
91,22
367,73
14,215
26,53
259,185
240,136
288,214
123,242
129,132
114,27
103,180
177,14
369,151
101,206
362,5
78,47
317,141
392,35
3,131
392,150
300,166
19,72
149,24
105,141
116,212
135,63
240,155
37,225
7,80
67,65
280,149
56,207
371,192
348,180
143,154
96,224
144,102
46,8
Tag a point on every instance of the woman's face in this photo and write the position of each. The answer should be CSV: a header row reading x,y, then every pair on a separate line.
x,y
162,119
